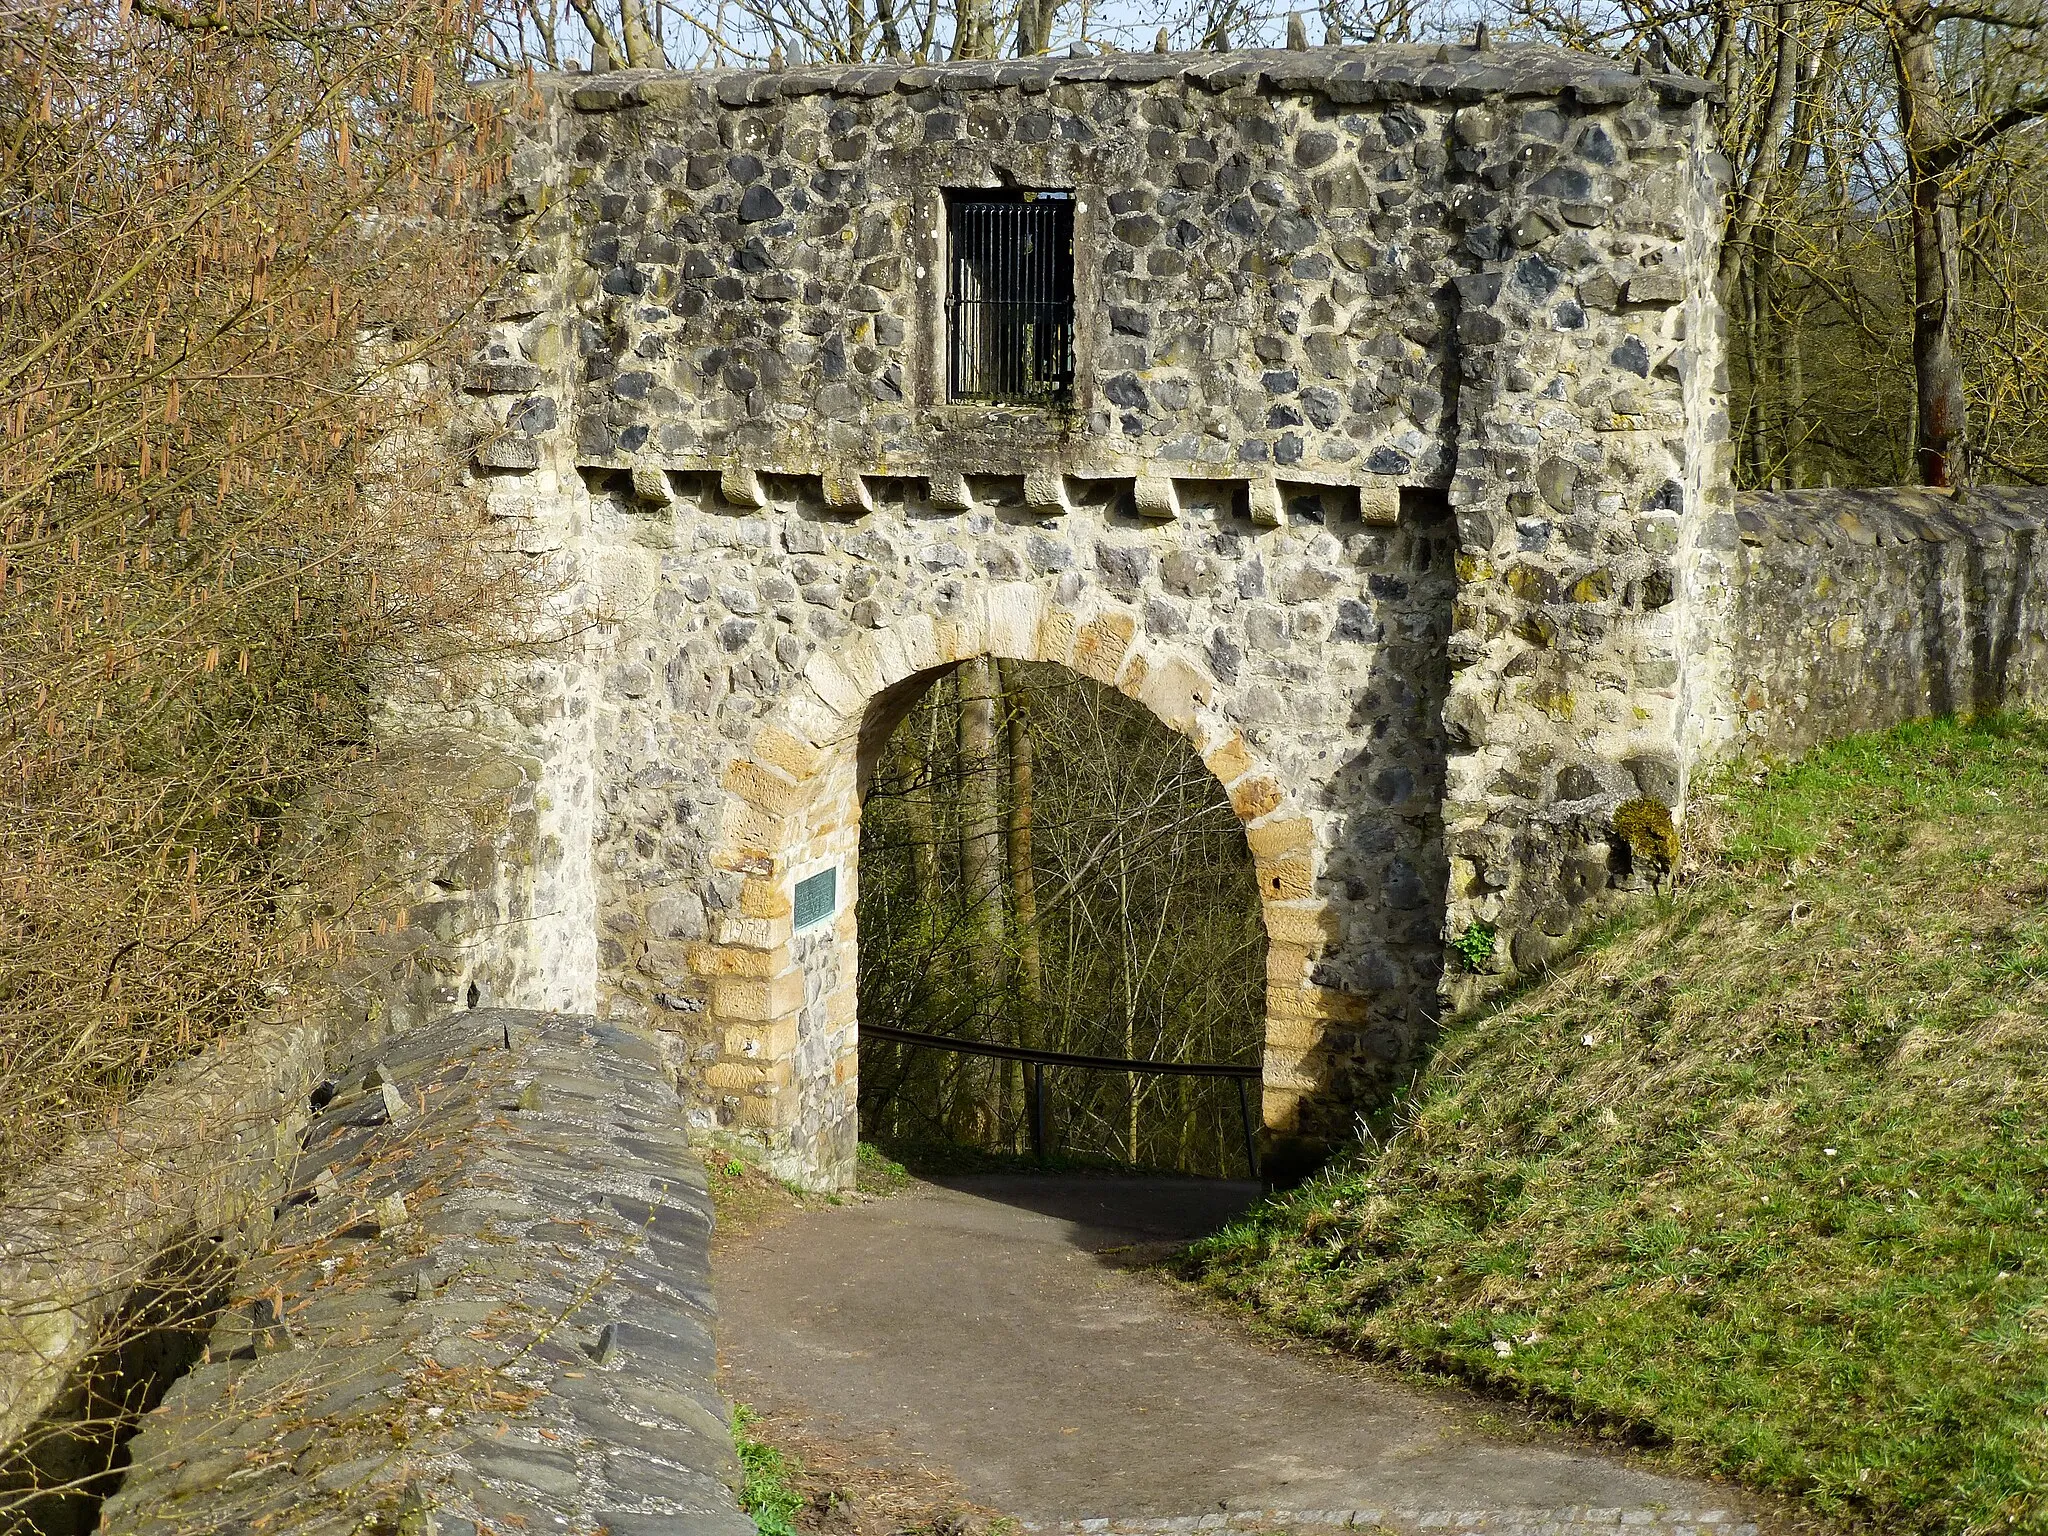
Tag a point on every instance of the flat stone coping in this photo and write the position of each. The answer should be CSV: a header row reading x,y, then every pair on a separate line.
x,y
1889,515
487,1307
1348,75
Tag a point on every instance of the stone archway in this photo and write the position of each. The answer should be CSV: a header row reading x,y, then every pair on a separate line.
x,y
781,1011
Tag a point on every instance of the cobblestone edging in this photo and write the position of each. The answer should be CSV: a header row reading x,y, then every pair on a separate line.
x,y
486,1306
1578,1520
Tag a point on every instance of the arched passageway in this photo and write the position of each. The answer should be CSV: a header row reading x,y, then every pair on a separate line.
x,y
803,817
1044,866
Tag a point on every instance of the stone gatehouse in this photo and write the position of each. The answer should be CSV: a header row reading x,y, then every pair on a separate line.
x,y
1356,410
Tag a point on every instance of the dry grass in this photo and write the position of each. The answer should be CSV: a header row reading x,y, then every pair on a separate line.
x,y
1760,1174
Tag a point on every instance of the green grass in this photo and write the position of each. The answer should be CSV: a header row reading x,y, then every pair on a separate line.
x,y
1760,1173
768,1490
877,1173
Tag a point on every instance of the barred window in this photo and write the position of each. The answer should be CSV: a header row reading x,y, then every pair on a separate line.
x,y
1010,296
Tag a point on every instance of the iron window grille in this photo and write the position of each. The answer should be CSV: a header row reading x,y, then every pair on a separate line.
x,y
1010,296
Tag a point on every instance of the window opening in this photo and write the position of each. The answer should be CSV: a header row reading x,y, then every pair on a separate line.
x,y
1010,296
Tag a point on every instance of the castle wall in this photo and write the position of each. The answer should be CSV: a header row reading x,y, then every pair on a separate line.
x,y
1855,610
763,643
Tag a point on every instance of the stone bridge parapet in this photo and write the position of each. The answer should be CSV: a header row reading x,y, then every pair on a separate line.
x,y
485,1306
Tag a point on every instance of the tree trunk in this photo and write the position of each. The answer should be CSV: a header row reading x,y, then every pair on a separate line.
x,y
1034,26
892,39
981,851
1030,997
1941,448
1764,163
974,30
642,51
911,766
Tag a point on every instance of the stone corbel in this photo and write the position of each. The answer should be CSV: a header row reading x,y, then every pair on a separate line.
x,y
742,486
1262,497
1156,496
845,490
1379,503
651,487
948,490
1045,492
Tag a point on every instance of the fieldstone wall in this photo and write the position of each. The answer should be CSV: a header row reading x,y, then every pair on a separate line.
x,y
1393,424
776,646
1848,610
486,1306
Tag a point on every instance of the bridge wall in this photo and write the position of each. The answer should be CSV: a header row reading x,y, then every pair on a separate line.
x,y
486,1305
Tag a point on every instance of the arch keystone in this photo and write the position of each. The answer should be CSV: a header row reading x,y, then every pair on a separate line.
x,y
1056,630
1014,611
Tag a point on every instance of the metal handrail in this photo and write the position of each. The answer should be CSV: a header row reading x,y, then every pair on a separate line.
x,y
1039,1060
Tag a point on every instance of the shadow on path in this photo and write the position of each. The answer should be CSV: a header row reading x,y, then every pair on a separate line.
x,y
987,1327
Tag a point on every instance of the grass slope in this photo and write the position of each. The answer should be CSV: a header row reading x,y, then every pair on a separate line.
x,y
1760,1174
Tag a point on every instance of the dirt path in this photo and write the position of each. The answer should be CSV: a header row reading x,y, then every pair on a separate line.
x,y
985,1343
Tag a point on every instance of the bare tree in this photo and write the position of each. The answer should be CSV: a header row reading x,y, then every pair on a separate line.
x,y
207,446
1943,129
